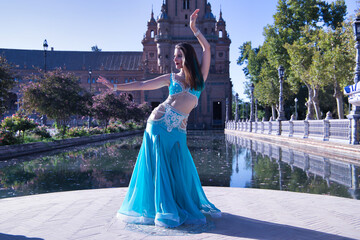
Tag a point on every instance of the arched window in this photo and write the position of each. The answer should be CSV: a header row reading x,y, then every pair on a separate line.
x,y
220,34
152,34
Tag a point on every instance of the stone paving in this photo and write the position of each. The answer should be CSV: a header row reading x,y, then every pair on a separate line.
x,y
247,214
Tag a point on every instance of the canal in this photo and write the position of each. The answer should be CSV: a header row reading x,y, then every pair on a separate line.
x,y
221,160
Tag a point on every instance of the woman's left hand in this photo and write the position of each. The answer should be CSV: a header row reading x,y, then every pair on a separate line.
x,y
193,18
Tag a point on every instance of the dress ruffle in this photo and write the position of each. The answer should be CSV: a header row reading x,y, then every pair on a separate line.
x,y
165,188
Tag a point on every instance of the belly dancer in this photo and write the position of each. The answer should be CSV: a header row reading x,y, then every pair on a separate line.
x,y
165,188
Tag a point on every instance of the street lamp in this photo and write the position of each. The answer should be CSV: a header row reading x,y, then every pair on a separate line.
x,y
354,115
236,107
45,46
252,117
256,111
281,116
90,72
296,113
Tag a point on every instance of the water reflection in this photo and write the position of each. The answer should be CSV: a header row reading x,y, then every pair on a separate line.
x,y
221,160
91,166
272,167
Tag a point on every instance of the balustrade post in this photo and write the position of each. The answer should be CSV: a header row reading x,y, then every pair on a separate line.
x,y
327,126
291,126
306,129
278,122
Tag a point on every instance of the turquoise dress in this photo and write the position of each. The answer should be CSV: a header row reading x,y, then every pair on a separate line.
x,y
165,188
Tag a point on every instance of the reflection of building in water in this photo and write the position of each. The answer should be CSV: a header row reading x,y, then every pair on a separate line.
x,y
330,170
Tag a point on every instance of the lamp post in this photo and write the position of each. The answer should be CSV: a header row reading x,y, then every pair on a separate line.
x,y
281,116
236,107
354,115
246,111
45,46
252,117
90,73
256,110
296,113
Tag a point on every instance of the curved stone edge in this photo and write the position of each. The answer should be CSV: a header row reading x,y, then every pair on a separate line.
x,y
11,151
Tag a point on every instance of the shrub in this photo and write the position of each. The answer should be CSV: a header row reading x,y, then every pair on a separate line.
x,y
18,122
95,130
7,138
112,129
77,132
42,132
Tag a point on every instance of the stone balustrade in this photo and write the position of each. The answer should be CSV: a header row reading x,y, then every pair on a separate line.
x,y
327,129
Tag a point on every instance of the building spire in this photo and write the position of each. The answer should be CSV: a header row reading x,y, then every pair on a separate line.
x,y
152,19
221,18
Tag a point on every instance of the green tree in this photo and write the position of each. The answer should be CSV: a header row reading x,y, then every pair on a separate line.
x,y
96,48
261,74
304,61
289,20
7,82
57,95
108,105
339,58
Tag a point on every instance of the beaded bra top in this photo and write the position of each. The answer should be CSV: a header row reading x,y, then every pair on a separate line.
x,y
177,87
166,113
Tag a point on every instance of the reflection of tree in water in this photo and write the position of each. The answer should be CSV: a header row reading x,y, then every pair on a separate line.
x,y
210,158
105,165
265,173
266,176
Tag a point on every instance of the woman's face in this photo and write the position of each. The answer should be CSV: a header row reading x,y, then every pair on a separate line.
x,y
178,58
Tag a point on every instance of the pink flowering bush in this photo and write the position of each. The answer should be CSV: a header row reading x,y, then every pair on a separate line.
x,y
7,138
18,123
42,132
77,132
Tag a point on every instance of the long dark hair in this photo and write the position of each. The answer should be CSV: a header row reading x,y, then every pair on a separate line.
x,y
191,67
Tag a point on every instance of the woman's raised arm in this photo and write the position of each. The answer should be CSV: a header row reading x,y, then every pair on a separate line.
x,y
206,57
151,84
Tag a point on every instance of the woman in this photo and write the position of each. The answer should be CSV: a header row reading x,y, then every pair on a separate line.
x,y
165,188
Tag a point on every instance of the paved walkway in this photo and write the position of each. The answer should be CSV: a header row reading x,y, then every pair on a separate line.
x,y
247,214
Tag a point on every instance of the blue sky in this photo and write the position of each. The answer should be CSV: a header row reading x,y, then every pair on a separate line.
x,y
118,25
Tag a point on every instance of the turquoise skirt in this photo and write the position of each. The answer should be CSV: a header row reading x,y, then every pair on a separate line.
x,y
165,188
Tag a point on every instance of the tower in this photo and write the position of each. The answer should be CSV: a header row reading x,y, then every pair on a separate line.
x,y
149,57
171,28
222,46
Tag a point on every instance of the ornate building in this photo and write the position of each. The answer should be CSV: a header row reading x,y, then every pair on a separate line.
x,y
170,28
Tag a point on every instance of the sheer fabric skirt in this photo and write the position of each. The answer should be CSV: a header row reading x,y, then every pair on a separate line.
x,y
165,188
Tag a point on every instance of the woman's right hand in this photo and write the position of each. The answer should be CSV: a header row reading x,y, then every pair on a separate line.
x,y
105,82
193,18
